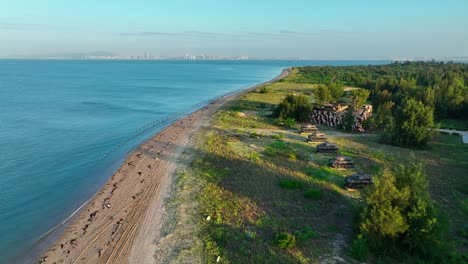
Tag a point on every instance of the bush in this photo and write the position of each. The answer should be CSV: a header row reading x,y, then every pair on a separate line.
x,y
304,235
285,240
278,136
295,107
264,90
289,122
414,124
314,194
255,135
400,219
291,184
359,248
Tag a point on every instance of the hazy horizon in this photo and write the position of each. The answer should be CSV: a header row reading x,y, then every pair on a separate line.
x,y
344,30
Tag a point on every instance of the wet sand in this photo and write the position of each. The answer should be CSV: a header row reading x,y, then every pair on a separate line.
x,y
120,224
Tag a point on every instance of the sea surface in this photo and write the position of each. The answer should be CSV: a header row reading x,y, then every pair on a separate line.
x,y
59,118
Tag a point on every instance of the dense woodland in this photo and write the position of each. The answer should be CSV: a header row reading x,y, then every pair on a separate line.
x,y
442,86
408,97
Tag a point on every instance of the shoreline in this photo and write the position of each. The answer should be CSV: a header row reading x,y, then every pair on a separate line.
x,y
117,224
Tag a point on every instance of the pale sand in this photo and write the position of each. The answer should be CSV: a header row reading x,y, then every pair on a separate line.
x,y
121,223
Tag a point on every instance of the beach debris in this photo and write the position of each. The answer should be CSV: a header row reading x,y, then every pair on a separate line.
x,y
149,166
43,259
130,163
73,242
92,215
208,218
106,203
218,259
138,155
139,173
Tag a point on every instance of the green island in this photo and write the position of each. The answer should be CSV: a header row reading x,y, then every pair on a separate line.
x,y
258,192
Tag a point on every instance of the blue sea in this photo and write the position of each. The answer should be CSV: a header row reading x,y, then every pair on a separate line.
x,y
58,118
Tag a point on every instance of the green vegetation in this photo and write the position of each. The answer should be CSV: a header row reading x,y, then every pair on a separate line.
x,y
297,107
414,124
264,90
442,86
400,220
314,194
285,240
330,92
291,184
458,124
272,199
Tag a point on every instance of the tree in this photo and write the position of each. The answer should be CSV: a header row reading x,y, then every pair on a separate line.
x,y
383,220
336,90
414,124
297,107
360,97
322,95
349,119
400,218
383,117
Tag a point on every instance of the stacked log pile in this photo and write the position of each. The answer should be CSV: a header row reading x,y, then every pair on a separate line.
x,y
334,116
324,117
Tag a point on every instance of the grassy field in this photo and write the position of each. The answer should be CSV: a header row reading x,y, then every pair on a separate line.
x,y
266,196
454,124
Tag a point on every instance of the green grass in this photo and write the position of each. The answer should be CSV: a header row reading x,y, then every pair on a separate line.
x,y
260,180
314,194
458,124
291,184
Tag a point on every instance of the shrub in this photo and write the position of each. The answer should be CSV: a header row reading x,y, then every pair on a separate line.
x,y
264,90
401,220
278,136
285,240
255,135
296,107
291,184
289,122
414,124
313,193
359,248
304,235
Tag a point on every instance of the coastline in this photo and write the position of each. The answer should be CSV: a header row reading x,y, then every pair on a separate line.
x,y
120,222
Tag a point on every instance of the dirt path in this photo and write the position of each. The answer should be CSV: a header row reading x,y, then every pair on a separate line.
x,y
121,223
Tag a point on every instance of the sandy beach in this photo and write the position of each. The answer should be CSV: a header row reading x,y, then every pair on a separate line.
x,y
121,223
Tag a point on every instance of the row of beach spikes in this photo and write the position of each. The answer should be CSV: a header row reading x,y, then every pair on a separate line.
x,y
166,120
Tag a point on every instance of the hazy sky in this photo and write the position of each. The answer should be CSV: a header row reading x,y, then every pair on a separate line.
x,y
313,29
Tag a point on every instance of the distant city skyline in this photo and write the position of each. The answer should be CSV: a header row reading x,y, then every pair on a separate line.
x,y
330,30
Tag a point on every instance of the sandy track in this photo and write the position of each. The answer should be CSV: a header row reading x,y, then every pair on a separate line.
x,y
122,222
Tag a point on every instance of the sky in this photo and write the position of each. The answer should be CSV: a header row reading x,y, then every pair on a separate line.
x,y
308,29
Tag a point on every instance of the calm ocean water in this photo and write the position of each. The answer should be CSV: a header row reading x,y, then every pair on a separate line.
x,y
57,118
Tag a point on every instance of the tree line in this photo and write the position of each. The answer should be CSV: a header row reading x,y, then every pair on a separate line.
x,y
407,96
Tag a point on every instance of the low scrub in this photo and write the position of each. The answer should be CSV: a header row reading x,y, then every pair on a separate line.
x,y
359,248
305,235
285,240
314,194
291,184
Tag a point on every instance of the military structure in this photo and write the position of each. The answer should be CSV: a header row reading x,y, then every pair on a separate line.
x,y
358,181
305,129
327,148
341,162
333,115
317,137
